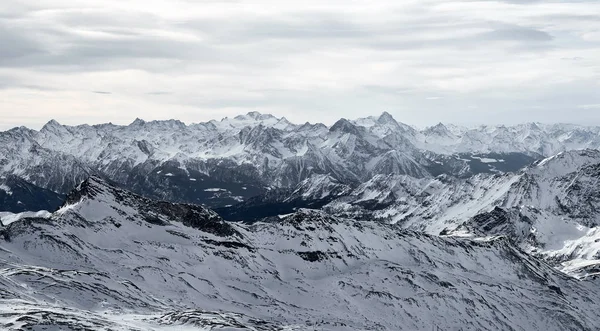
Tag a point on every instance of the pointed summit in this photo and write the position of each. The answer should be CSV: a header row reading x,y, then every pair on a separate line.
x,y
533,126
89,188
343,125
52,124
137,122
386,118
54,127
439,130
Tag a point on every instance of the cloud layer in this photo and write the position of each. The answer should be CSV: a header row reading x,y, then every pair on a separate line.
x,y
423,61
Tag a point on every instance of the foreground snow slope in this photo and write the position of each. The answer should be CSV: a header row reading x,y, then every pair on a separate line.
x,y
551,208
108,250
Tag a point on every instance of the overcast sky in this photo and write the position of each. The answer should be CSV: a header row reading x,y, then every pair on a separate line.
x,y
423,61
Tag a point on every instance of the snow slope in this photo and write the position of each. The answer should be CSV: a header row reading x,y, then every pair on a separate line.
x,y
110,259
555,204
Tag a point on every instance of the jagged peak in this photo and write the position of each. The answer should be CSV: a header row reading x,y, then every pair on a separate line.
x,y
305,216
52,122
88,188
284,121
345,126
51,126
440,129
533,126
19,130
310,126
254,115
172,123
386,118
137,122
169,124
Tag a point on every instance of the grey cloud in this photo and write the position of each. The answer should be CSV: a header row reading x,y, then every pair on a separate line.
x,y
72,51
300,26
517,34
11,82
393,60
7,81
77,51
15,44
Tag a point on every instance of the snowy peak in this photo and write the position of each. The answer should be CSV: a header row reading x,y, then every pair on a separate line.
x,y
90,188
157,125
51,124
439,130
344,126
565,162
319,187
386,119
97,200
53,127
254,115
137,122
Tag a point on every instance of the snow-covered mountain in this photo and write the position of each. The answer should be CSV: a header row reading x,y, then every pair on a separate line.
x,y
112,260
551,208
220,163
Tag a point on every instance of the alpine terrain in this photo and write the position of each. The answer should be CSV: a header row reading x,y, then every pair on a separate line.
x,y
256,223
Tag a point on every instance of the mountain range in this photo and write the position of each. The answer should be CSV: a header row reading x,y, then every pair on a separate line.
x,y
256,223
219,163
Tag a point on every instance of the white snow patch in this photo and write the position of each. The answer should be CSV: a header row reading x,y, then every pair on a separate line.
x,y
487,160
6,217
215,189
6,189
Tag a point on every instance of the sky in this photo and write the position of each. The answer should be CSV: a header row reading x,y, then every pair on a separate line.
x,y
423,61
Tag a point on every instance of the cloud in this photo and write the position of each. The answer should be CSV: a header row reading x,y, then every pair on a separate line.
x,y
15,44
197,60
517,34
